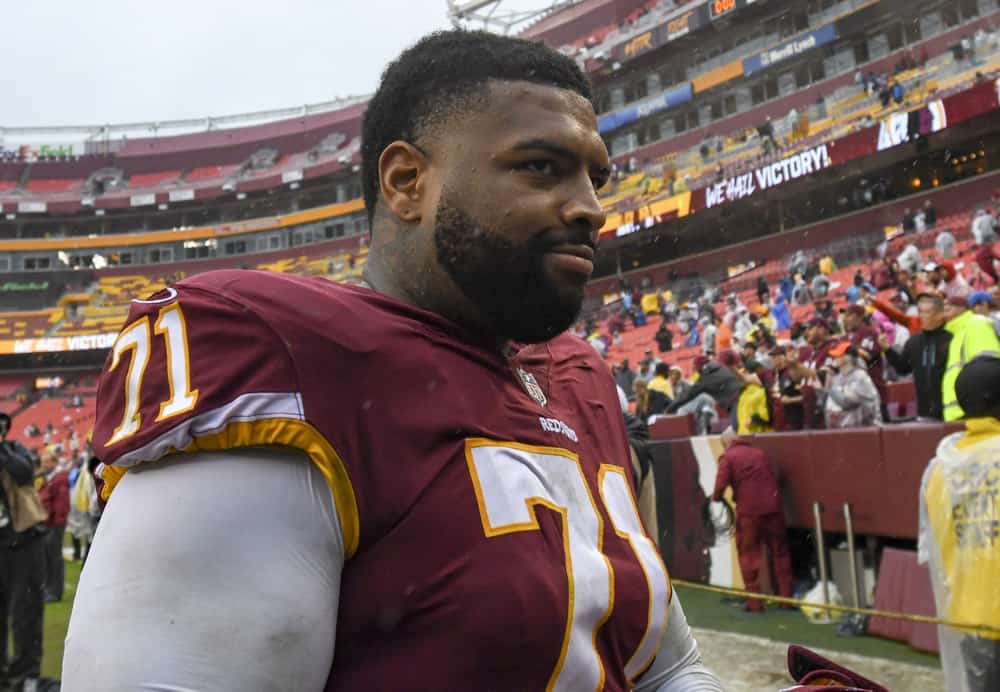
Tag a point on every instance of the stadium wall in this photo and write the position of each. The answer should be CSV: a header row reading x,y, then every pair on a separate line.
x,y
815,466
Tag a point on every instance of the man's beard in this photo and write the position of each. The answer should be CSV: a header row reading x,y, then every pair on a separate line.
x,y
507,283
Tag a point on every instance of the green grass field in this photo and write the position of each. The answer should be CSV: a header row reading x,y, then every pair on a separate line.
x,y
790,626
56,620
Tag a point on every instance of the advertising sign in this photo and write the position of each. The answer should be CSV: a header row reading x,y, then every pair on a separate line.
x,y
789,49
655,104
55,344
27,153
672,29
771,175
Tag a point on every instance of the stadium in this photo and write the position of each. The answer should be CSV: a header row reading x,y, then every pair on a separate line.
x,y
754,144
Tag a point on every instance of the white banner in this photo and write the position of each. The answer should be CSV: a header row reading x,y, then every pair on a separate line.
x,y
87,342
774,174
32,207
181,195
147,199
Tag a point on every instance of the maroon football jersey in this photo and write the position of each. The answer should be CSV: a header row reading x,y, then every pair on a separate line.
x,y
865,338
492,539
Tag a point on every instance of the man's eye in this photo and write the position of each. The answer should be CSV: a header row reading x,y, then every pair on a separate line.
x,y
541,167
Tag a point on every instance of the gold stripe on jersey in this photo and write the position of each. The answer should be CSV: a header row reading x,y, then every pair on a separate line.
x,y
279,432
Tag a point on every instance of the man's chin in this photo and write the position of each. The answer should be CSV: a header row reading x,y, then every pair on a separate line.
x,y
545,328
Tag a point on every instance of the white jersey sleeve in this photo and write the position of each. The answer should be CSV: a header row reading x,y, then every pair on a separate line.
x,y
210,572
678,666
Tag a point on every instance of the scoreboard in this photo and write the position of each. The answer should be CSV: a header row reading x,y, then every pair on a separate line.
x,y
717,9
720,8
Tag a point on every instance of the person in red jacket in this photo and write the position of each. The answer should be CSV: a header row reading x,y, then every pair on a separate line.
x,y
760,520
985,256
54,494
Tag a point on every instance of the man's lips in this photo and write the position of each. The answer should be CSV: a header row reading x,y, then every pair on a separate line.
x,y
582,251
577,260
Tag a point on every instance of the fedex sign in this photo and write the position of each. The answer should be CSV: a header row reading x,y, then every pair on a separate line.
x,y
27,154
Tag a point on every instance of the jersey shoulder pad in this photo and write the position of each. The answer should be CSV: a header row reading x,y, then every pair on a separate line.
x,y
197,364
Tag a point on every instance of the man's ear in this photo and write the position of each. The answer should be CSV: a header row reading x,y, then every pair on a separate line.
x,y
402,169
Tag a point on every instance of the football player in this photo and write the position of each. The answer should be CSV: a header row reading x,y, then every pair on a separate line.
x,y
421,483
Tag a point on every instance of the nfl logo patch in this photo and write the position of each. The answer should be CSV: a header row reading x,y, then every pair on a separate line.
x,y
532,387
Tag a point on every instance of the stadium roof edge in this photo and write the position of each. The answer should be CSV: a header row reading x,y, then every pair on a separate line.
x,y
188,125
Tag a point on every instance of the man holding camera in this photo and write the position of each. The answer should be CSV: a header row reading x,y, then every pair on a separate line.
x,y
22,565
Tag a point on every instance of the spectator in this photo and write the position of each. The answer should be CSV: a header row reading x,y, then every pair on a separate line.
x,y
624,375
801,295
645,373
22,564
643,406
54,494
951,282
972,335
718,384
815,357
881,276
984,227
753,411
944,245
826,265
982,303
83,502
724,335
660,384
760,520
824,309
664,338
930,214
789,375
638,316
908,223
865,339
958,507
897,92
851,398
708,335
742,326
820,286
693,334
799,264
779,311
763,291
986,257
909,259
679,385
925,355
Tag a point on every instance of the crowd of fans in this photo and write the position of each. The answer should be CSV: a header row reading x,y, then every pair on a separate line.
x,y
759,370
45,492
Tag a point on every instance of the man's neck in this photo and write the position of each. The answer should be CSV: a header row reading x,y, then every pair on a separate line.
x,y
379,279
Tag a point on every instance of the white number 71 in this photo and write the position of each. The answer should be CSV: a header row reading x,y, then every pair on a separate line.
x,y
136,338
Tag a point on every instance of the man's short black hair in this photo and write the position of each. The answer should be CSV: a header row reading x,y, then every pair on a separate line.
x,y
662,369
440,75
